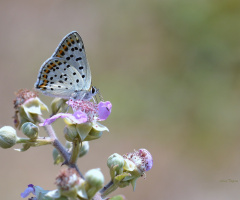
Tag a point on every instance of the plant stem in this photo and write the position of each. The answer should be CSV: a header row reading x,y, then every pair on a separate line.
x,y
107,189
57,144
75,151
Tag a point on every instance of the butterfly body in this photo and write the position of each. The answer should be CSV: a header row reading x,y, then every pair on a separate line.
x,y
66,74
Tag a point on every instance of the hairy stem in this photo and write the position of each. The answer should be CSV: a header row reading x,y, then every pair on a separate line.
x,y
57,144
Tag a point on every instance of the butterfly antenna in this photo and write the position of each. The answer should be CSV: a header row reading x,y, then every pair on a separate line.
x,y
100,96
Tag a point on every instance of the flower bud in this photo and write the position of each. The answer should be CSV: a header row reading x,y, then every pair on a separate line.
x,y
116,160
70,133
8,137
84,148
94,182
30,130
58,104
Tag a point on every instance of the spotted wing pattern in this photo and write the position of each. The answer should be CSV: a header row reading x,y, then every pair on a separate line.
x,y
71,48
58,78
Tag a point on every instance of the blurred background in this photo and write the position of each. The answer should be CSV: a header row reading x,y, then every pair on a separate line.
x,y
172,72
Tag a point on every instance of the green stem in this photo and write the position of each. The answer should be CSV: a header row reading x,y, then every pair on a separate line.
x,y
39,141
110,187
75,151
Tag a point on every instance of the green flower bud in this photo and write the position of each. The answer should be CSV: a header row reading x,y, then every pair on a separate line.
x,y
84,148
30,130
70,132
58,104
115,163
115,159
94,182
8,137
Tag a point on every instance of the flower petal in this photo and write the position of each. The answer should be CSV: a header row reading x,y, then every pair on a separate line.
x,y
28,190
104,110
78,117
144,153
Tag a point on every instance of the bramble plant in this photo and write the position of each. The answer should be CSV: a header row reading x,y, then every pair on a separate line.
x,y
81,127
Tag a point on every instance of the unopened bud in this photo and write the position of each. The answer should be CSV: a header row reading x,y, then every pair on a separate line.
x,y
8,137
116,160
30,130
70,133
94,179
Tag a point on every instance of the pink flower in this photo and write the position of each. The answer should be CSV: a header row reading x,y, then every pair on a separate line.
x,y
84,111
78,117
141,158
104,110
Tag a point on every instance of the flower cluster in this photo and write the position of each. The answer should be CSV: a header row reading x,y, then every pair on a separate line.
x,y
82,125
128,168
69,186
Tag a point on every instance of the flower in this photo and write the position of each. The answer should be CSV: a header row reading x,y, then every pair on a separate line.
x,y
141,158
27,106
104,110
78,117
30,189
127,169
38,192
83,122
69,184
84,111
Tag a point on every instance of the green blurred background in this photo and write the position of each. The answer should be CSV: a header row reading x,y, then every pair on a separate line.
x,y
172,72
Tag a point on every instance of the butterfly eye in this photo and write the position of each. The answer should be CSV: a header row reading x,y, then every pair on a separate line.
x,y
93,90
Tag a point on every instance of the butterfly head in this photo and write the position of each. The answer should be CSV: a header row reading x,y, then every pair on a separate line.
x,y
91,93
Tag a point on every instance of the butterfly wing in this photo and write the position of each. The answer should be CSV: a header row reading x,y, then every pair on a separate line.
x,y
59,78
71,48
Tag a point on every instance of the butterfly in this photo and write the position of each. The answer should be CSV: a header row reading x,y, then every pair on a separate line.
x,y
66,74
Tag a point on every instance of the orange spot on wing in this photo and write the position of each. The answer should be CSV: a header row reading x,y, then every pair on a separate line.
x,y
46,70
